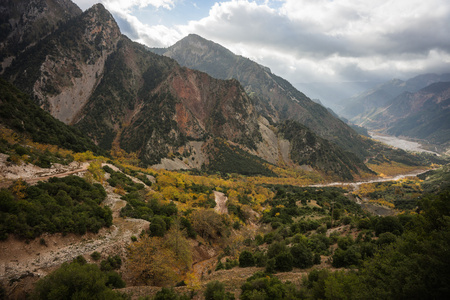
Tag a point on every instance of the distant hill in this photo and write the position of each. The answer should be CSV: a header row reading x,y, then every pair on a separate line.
x,y
424,115
356,108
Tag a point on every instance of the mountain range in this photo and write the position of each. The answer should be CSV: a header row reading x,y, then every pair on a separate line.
x,y
191,107
384,93
417,108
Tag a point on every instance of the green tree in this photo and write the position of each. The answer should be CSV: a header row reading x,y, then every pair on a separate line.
x,y
284,262
246,259
302,256
75,281
215,290
157,226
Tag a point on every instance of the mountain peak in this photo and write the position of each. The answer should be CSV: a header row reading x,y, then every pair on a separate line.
x,y
275,98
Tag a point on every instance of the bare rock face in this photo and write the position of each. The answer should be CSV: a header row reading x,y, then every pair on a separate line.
x,y
69,76
63,69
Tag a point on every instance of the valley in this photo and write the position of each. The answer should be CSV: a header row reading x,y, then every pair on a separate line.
x,y
191,172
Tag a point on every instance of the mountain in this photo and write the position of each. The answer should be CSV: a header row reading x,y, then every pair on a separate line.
x,y
356,108
423,115
274,97
88,75
62,69
24,22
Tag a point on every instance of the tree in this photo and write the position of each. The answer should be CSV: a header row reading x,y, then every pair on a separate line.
x,y
246,259
176,241
303,257
388,224
169,294
150,262
284,262
207,223
215,290
157,226
75,281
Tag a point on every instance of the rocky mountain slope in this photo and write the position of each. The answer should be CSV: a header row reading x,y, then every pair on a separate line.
x,y
24,22
19,113
62,70
274,97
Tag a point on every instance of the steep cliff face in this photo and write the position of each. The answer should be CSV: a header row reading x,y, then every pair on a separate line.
x,y
274,97
63,69
148,104
24,22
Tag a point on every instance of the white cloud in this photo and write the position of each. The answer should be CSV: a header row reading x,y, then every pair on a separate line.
x,y
127,6
314,40
393,38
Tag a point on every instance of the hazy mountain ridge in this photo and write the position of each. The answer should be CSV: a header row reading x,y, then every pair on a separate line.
x,y
423,115
356,107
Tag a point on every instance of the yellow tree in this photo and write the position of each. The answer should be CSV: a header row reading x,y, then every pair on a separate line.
x,y
18,189
176,240
151,263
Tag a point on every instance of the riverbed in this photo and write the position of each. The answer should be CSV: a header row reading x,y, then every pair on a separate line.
x,y
399,143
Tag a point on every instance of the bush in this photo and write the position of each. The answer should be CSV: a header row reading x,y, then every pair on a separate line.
x,y
302,256
284,262
388,224
66,205
215,290
111,263
157,226
246,259
76,281
265,286
169,294
95,255
346,258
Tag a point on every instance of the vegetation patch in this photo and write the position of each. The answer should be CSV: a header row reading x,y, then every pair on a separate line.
x,y
67,205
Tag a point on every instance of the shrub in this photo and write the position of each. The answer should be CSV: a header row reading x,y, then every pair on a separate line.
x,y
215,290
76,281
302,256
246,259
95,255
284,262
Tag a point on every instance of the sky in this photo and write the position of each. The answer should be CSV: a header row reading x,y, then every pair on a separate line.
x,y
307,42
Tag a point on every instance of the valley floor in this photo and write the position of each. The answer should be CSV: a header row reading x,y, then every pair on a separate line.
x,y
399,142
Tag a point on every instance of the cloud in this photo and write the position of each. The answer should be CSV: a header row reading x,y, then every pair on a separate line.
x,y
334,40
313,40
127,6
